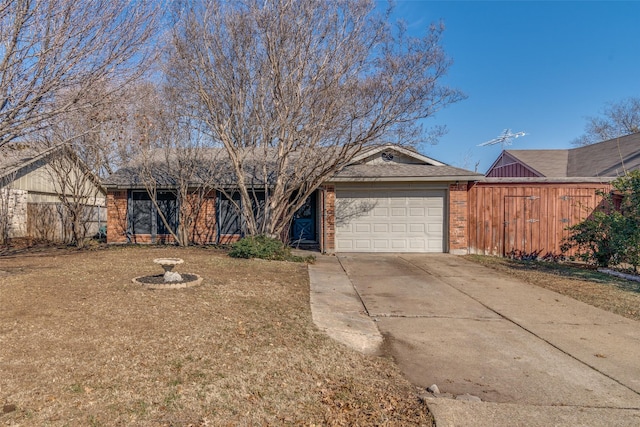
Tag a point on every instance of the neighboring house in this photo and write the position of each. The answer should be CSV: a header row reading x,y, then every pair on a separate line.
x,y
389,199
30,190
530,197
604,160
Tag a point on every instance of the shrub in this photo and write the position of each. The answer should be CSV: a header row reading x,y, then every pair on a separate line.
x,y
611,234
265,247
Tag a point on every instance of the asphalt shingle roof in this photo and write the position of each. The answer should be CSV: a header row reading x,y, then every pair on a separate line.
x,y
17,155
130,177
545,162
604,159
399,170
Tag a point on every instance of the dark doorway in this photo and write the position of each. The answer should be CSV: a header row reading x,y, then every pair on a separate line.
x,y
303,228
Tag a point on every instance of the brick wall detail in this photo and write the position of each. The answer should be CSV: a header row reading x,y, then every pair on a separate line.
x,y
117,217
204,225
458,218
203,229
328,223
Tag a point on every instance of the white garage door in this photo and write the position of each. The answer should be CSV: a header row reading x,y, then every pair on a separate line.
x,y
389,221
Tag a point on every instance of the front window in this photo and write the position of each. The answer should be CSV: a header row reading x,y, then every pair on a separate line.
x,y
146,219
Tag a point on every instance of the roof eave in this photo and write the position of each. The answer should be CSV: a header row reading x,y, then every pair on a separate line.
x,y
570,179
445,178
40,156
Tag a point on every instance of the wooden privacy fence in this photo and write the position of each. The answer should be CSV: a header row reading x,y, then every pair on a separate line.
x,y
525,218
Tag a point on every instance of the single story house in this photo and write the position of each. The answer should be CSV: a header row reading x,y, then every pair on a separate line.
x,y
388,199
530,197
30,190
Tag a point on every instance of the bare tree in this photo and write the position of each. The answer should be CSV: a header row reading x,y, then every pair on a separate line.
x,y
79,193
52,52
109,130
617,119
176,161
293,90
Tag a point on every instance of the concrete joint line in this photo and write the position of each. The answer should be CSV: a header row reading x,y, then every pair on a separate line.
x,y
426,316
366,310
529,331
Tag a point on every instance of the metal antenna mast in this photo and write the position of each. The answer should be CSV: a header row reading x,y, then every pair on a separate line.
x,y
504,139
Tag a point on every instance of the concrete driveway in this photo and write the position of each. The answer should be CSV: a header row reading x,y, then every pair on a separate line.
x,y
538,357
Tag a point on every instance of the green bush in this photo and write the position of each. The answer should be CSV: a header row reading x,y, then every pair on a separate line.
x,y
611,234
264,247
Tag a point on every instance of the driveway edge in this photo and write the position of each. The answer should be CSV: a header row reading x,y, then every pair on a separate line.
x,y
337,309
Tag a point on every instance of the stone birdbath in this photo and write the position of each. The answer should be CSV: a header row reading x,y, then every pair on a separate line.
x,y
170,279
167,264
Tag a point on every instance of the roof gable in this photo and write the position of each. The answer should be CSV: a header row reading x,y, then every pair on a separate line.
x,y
393,154
392,162
507,165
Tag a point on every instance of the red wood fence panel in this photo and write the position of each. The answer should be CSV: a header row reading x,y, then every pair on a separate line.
x,y
527,217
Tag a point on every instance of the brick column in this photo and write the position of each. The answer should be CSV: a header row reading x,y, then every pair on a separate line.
x,y
204,223
116,217
328,232
458,219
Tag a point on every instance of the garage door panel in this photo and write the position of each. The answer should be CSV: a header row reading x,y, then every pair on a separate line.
x,y
435,228
381,244
393,221
363,244
398,228
378,212
416,228
380,228
362,228
416,244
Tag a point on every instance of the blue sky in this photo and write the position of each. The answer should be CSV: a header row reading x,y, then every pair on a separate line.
x,y
538,67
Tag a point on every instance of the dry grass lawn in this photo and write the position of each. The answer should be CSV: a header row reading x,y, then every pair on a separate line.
x,y
81,345
589,286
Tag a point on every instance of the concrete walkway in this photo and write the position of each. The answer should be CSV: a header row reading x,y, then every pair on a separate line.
x,y
337,309
533,356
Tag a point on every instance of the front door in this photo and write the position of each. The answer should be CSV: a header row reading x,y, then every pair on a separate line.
x,y
304,222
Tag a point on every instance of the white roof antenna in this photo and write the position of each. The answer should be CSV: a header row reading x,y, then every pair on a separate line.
x,y
504,139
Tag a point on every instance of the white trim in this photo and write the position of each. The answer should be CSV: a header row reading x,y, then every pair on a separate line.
x,y
399,149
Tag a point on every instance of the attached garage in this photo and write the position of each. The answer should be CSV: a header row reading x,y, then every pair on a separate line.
x,y
379,220
394,199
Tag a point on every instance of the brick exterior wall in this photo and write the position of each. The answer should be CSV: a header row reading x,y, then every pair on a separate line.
x,y
202,232
204,227
328,219
458,218
117,217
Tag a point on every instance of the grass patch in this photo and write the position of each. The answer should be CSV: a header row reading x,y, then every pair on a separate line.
x,y
579,282
80,344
